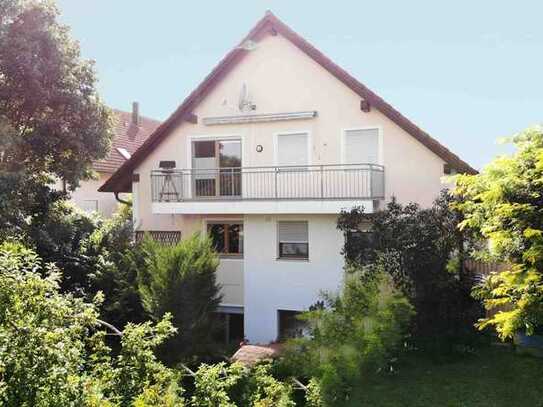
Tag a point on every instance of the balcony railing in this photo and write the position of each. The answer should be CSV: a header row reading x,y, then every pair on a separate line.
x,y
353,181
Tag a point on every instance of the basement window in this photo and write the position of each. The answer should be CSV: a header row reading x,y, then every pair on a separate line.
x,y
293,240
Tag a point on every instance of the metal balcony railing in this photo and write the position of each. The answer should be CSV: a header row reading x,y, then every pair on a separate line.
x,y
352,181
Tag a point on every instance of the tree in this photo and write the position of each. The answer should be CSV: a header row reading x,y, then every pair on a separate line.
x,y
52,122
52,349
181,280
503,205
422,250
114,259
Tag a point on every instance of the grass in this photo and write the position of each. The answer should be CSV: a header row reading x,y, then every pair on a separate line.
x,y
492,377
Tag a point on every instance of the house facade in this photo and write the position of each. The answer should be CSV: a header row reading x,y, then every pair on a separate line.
x,y
130,130
262,156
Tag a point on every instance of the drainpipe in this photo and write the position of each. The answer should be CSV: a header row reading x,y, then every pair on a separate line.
x,y
121,200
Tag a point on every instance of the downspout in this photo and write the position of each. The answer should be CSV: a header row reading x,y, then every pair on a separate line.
x,y
121,200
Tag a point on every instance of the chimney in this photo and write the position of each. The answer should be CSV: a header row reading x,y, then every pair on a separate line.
x,y
135,113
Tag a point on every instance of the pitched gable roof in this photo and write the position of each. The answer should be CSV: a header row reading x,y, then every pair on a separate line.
x,y
126,135
121,180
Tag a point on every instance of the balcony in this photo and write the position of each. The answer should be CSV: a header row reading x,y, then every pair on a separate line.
x,y
359,183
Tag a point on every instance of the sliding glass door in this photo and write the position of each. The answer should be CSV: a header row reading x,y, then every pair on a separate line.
x,y
216,168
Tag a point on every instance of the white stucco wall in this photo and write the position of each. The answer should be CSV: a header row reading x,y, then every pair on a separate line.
x,y
281,78
87,195
272,284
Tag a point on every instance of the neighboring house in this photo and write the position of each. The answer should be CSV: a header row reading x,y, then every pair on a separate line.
x,y
129,132
262,156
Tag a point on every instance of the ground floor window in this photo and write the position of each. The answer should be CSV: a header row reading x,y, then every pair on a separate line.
x,y
230,329
227,237
293,240
290,326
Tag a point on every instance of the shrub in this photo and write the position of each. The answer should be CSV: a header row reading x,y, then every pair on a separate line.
x,y
353,334
115,263
234,385
52,350
181,279
503,205
423,251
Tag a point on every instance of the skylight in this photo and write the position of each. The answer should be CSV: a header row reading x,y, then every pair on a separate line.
x,y
124,152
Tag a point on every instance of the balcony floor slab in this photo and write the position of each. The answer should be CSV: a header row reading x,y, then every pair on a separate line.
x,y
261,207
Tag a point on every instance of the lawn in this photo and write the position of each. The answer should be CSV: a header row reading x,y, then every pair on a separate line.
x,y
494,376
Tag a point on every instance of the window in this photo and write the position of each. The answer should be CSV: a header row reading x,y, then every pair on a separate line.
x,y
292,149
362,146
89,205
293,240
216,167
227,237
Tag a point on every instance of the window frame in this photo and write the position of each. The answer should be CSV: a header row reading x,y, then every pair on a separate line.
x,y
226,224
276,137
343,147
281,256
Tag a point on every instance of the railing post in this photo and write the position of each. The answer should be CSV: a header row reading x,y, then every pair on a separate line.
x,y
322,182
275,182
232,181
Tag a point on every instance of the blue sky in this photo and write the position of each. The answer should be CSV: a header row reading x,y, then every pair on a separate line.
x,y
466,71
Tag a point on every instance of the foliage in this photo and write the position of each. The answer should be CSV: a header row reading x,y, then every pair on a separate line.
x,y
423,251
504,205
52,123
352,335
116,259
181,279
52,119
234,385
52,351
58,236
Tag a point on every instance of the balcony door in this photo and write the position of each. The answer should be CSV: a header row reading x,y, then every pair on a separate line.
x,y
216,168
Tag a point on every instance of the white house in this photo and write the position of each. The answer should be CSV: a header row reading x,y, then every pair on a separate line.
x,y
262,156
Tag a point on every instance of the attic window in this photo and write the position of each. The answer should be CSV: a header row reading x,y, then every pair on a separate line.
x,y
124,152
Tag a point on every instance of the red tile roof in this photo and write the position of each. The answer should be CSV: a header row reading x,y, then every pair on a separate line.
x,y
126,135
270,24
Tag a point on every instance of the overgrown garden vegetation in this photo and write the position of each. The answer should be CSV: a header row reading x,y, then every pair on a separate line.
x,y
89,317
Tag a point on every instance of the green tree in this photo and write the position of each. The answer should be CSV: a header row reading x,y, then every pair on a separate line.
x,y
53,117
181,280
114,262
52,349
52,122
422,249
503,205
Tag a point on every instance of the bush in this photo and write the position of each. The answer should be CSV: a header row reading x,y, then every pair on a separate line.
x,y
423,251
52,350
181,280
503,205
352,335
115,262
234,385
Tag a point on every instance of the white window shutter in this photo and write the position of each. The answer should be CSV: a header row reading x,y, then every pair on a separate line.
x,y
293,232
292,149
362,146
